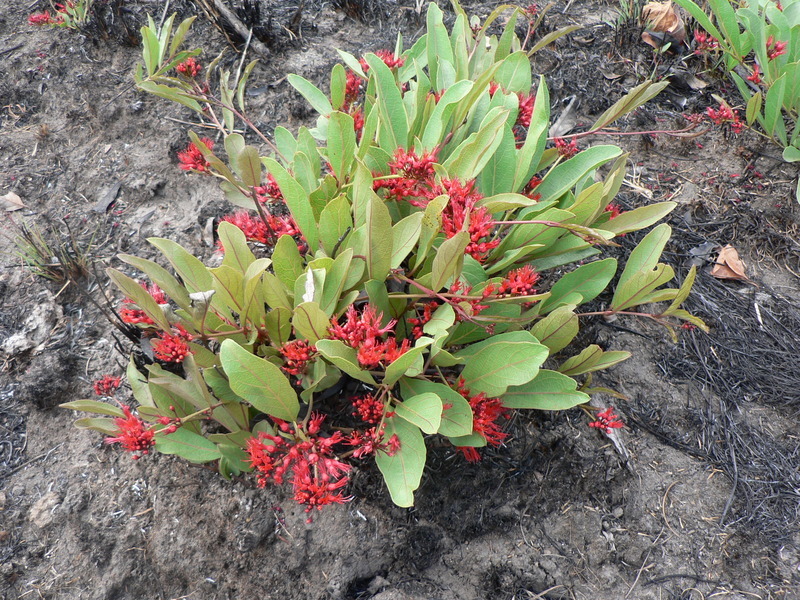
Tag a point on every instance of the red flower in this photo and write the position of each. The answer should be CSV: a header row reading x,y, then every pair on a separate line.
x,y
192,159
566,149
269,192
461,207
755,77
133,434
297,354
388,58
725,115
607,420
364,332
704,42
526,102
414,179
189,68
44,18
370,442
256,230
485,413
614,209
172,348
107,385
470,453
316,473
368,408
775,48
519,282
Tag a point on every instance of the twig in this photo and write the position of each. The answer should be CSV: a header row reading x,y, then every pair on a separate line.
x,y
33,460
240,28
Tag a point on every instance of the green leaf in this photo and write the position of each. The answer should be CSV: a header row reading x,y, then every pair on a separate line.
x,y
297,200
791,154
186,444
501,361
549,391
629,102
497,177
505,201
439,49
192,272
312,93
441,321
93,406
557,329
565,176
472,155
103,425
436,124
379,238
405,234
754,105
587,281
259,382
393,127
404,363
514,74
344,357
341,144
237,253
423,410
334,223
592,358
683,291
639,218
310,321
141,297
646,254
448,260
456,415
279,325
402,471
161,277
286,261
530,154
338,83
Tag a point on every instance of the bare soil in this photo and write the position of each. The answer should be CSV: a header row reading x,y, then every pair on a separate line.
x,y
699,500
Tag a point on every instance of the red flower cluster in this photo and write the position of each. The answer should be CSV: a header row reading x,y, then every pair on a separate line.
x,y
526,102
519,282
364,333
316,474
189,68
725,115
135,316
297,354
132,433
755,76
371,441
192,159
614,209
704,42
775,48
255,229
607,420
107,385
173,348
368,408
388,58
566,149
461,207
485,413
269,192
414,177
45,18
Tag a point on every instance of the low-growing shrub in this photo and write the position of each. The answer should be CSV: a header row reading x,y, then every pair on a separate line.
x,y
410,269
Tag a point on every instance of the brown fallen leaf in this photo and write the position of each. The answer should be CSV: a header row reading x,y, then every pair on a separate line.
x,y
661,17
729,265
11,202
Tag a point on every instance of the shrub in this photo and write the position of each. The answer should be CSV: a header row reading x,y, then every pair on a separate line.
x,y
407,268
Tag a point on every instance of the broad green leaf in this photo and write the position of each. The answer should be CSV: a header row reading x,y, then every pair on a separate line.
x,y
423,410
436,124
237,253
341,144
101,424
646,254
162,278
393,127
549,391
297,200
286,261
334,223
505,201
557,329
404,363
456,414
402,471
138,383
259,382
501,361
405,234
592,358
472,155
186,444
754,105
439,50
497,177
229,287
344,357
565,176
335,281
639,289
247,165
310,321
312,93
448,260
637,96
192,272
514,74
441,320
639,218
338,82
379,238
587,281
278,323
94,406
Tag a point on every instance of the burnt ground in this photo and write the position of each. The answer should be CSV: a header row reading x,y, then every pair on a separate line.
x,y
704,505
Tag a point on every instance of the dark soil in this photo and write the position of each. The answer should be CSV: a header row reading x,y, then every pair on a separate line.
x,y
700,498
